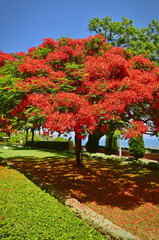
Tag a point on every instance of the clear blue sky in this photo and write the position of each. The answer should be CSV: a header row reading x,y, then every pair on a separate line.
x,y
24,23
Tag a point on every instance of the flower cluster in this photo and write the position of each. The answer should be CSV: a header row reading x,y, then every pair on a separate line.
x,y
91,84
4,57
136,129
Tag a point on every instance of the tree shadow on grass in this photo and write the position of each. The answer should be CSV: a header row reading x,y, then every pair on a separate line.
x,y
103,182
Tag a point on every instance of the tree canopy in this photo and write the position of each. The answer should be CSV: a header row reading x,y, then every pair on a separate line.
x,y
124,34
81,85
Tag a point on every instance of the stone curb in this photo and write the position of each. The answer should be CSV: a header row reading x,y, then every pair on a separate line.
x,y
95,220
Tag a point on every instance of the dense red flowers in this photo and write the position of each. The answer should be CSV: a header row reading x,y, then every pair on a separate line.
x,y
4,57
136,129
85,85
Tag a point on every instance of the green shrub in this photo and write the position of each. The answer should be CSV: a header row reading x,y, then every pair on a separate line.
x,y
103,156
60,139
111,143
16,138
150,164
136,147
2,134
29,213
59,146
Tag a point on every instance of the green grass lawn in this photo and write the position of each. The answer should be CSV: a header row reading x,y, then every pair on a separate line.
x,y
9,152
26,212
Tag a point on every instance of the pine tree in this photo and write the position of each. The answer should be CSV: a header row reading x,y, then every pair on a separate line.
x,y
136,147
111,143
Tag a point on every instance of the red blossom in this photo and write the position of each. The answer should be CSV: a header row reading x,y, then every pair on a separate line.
x,y
136,129
91,83
32,66
140,62
48,42
4,57
35,83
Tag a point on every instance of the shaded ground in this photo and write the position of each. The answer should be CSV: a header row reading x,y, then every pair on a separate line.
x,y
128,196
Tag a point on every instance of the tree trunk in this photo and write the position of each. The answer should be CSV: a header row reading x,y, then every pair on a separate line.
x,y
26,136
32,137
93,142
78,149
119,141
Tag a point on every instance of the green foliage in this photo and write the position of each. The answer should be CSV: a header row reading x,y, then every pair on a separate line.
x,y
151,150
34,119
136,147
16,138
149,164
60,139
124,34
11,69
41,53
107,157
9,95
54,145
2,134
94,45
29,213
111,142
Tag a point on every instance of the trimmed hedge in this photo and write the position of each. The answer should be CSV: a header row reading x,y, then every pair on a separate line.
x,y
59,146
29,213
150,164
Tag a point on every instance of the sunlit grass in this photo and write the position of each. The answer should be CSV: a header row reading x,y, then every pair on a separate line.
x,y
8,152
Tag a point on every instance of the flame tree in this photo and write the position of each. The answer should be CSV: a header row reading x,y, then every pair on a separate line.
x,y
85,86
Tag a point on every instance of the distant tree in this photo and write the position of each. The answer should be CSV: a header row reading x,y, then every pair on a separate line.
x,y
137,147
123,34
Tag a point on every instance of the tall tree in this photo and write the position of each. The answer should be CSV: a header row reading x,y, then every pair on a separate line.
x,y
85,86
137,147
123,34
111,143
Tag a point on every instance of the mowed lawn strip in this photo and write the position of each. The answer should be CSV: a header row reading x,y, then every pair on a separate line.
x,y
9,152
27,212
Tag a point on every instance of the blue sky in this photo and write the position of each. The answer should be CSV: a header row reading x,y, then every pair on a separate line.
x,y
24,23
